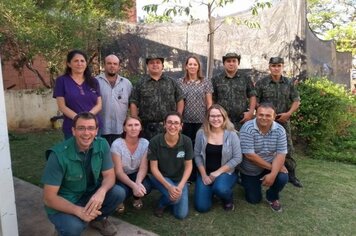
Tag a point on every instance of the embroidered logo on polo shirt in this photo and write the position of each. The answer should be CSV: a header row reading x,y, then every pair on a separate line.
x,y
180,154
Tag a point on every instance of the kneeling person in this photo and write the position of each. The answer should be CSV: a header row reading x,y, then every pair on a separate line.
x,y
264,146
170,155
217,152
79,181
129,155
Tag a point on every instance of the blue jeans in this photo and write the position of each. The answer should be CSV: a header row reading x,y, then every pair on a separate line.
x,y
253,189
180,207
128,191
71,225
221,187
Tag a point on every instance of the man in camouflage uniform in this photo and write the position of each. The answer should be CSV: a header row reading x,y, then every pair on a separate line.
x,y
281,92
234,91
154,96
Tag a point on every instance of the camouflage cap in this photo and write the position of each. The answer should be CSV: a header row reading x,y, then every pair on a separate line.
x,y
154,56
231,55
276,60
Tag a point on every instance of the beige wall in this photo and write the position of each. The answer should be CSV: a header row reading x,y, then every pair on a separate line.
x,y
29,109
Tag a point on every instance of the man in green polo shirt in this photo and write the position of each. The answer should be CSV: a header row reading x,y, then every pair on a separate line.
x,y
79,181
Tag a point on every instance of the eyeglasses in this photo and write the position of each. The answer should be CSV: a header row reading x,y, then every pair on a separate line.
x,y
175,123
215,116
83,128
276,65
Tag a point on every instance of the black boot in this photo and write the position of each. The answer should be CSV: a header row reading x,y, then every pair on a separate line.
x,y
294,180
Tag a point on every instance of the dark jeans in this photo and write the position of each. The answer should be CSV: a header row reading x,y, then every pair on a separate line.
x,y
71,225
128,191
253,188
191,129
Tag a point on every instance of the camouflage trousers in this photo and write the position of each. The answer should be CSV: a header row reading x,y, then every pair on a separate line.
x,y
290,162
150,129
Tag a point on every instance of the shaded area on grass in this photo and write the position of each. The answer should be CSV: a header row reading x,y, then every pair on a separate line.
x,y
325,206
28,153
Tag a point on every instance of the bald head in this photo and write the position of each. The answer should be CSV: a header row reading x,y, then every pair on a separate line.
x,y
111,65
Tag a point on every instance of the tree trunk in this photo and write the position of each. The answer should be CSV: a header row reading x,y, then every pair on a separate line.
x,y
37,74
211,47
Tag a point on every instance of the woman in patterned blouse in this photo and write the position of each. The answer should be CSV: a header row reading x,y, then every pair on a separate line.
x,y
198,98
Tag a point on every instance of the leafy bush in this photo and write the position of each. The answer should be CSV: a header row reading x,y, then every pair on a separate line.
x,y
326,119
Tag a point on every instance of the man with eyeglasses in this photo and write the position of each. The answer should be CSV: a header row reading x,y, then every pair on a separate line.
x,y
79,181
234,91
281,92
115,92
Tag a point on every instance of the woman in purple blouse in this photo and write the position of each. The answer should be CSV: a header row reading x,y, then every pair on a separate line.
x,y
76,91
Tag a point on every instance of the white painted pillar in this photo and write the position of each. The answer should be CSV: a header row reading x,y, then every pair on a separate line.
x,y
8,217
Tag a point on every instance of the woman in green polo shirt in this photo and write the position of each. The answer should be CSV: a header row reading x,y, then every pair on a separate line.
x,y
170,155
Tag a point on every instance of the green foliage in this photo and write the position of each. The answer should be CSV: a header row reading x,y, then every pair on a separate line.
x,y
325,119
51,28
335,20
153,18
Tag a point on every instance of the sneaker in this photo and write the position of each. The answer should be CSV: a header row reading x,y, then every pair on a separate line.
x,y
105,227
229,206
275,205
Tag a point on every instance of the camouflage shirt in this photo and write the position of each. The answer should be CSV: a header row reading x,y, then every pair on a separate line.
x,y
155,98
233,93
282,93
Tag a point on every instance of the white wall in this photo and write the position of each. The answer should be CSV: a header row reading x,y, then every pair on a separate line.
x,y
29,108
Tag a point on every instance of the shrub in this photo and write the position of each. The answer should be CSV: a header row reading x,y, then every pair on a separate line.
x,y
324,119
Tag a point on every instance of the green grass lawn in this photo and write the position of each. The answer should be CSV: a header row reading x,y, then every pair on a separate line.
x,y
325,206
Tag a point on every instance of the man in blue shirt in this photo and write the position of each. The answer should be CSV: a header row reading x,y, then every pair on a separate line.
x,y
264,148
115,92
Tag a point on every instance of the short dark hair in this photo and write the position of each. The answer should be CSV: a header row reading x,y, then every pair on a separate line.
x,y
267,105
173,113
84,116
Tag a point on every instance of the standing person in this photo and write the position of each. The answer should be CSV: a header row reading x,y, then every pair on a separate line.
x,y
264,145
79,181
217,152
170,155
154,96
76,91
234,91
129,154
281,92
115,92
197,91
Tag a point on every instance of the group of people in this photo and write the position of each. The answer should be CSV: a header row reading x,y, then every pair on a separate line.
x,y
214,132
